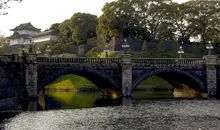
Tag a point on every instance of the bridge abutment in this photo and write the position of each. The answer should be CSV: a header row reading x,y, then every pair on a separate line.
x,y
126,68
211,77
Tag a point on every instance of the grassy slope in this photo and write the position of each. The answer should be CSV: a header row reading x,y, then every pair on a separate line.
x,y
74,81
71,81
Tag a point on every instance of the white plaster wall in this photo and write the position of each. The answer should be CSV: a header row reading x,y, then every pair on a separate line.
x,y
41,39
27,32
16,41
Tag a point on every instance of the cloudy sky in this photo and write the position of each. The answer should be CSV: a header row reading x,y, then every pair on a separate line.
x,y
43,13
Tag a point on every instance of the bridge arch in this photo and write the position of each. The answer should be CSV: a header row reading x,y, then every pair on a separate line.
x,y
102,81
177,74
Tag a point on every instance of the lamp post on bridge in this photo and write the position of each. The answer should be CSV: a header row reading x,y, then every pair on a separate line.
x,y
22,50
211,61
125,46
38,51
30,46
209,47
181,51
48,50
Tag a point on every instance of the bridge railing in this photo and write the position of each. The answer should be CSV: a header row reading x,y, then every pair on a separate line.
x,y
6,58
78,60
187,61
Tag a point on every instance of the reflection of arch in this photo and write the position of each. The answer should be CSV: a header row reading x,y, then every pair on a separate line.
x,y
99,79
165,72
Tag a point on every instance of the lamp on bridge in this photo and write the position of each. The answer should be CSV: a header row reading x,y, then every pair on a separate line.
x,y
180,51
125,46
209,47
23,50
48,50
30,47
38,51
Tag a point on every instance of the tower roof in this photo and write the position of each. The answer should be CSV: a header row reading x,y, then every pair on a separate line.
x,y
25,26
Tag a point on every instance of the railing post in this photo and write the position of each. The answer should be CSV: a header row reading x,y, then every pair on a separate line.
x,y
126,67
211,78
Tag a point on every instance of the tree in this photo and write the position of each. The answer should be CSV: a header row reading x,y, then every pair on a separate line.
x,y
3,45
182,17
124,18
55,28
77,29
134,18
207,19
83,26
144,49
5,4
64,32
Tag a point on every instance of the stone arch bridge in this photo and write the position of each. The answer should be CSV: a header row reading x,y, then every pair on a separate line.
x,y
30,73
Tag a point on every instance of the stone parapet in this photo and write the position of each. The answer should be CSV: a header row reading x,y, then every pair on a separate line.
x,y
210,59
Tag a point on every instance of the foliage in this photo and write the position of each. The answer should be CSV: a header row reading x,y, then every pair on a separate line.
x,y
6,4
94,52
133,18
144,49
129,51
160,20
149,20
77,29
3,45
82,26
55,28
110,54
207,19
65,32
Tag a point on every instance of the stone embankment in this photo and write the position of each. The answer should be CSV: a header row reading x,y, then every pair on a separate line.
x,y
8,96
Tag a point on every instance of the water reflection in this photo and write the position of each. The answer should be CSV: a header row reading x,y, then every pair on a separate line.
x,y
73,99
51,99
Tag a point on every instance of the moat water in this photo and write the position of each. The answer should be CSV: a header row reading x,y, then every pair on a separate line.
x,y
86,111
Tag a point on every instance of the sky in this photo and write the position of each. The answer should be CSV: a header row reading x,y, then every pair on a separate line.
x,y
43,13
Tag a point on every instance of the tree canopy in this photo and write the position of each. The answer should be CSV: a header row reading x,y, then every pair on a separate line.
x,y
160,20
77,29
82,26
3,45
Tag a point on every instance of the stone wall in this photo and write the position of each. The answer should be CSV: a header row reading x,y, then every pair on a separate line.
x,y
8,96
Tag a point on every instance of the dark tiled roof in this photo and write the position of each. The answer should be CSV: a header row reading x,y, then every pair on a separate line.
x,y
50,32
25,26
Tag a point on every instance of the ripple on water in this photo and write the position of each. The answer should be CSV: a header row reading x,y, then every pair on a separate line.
x,y
151,115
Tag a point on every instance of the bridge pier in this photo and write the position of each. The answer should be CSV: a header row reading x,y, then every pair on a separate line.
x,y
127,101
211,77
126,68
31,80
